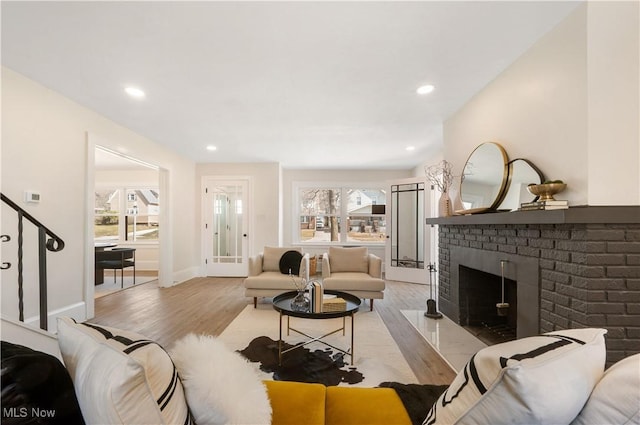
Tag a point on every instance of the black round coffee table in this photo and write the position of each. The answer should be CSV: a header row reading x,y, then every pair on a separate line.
x,y
282,304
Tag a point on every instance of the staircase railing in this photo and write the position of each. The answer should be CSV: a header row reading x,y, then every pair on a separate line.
x,y
53,244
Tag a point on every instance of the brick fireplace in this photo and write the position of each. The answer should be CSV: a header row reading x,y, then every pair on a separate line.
x,y
572,268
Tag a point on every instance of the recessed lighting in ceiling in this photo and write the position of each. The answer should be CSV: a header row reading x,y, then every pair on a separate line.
x,y
134,92
211,148
410,148
426,89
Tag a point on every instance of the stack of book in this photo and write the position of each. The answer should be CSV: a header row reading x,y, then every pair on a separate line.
x,y
544,205
334,304
316,293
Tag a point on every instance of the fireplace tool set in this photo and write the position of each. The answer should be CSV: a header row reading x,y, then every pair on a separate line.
x,y
503,307
432,309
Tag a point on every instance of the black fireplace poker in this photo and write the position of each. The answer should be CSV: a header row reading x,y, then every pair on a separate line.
x,y
432,308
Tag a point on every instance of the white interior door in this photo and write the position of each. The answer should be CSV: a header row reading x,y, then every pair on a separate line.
x,y
407,246
225,226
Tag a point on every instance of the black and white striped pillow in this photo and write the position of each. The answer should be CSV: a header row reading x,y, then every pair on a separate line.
x,y
544,379
121,376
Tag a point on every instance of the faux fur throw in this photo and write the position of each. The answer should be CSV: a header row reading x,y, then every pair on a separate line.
x,y
221,387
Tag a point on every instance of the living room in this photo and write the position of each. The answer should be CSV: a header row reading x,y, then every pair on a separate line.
x,y
569,104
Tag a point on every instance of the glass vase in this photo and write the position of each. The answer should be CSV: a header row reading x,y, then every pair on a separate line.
x,y
300,302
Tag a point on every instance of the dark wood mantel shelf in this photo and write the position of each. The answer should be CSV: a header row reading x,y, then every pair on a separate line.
x,y
573,215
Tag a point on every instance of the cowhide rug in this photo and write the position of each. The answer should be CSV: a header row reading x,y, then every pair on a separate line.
x,y
326,367
254,333
301,364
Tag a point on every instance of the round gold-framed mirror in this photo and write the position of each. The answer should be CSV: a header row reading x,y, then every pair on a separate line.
x,y
485,178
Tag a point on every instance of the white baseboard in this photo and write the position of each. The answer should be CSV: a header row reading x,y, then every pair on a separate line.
x,y
182,276
77,311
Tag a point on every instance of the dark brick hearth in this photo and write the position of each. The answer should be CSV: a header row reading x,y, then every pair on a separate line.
x,y
589,273
524,271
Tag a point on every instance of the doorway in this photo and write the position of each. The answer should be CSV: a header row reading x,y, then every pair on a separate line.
x,y
406,248
126,218
225,224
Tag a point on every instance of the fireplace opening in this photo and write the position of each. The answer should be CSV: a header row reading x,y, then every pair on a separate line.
x,y
479,293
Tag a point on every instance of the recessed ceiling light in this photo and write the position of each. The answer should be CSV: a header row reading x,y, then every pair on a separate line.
x,y
426,89
134,92
211,148
410,148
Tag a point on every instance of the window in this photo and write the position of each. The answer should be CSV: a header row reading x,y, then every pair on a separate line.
x,y
126,214
340,215
364,225
107,215
319,212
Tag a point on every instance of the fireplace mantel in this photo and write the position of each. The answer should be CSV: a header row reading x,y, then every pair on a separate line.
x,y
573,215
588,261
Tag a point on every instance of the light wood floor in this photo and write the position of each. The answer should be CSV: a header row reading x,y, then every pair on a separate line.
x,y
208,305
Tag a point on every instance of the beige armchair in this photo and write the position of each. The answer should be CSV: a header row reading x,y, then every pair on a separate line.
x,y
355,271
267,279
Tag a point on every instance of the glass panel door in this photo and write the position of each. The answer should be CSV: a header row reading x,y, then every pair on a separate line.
x,y
225,227
406,232
227,224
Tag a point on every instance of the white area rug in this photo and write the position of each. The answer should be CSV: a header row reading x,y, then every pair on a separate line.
x,y
377,356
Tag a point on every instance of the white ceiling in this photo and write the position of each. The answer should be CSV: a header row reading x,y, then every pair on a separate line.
x,y
326,85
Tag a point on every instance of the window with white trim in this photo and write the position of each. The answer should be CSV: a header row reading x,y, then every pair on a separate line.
x,y
340,215
126,214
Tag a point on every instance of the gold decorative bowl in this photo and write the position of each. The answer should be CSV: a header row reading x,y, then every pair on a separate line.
x,y
547,190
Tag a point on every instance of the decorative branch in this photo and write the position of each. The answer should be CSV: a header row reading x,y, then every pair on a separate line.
x,y
440,175
299,285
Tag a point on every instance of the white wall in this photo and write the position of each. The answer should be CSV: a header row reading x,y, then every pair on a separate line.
x,y
613,43
569,104
264,198
536,109
44,148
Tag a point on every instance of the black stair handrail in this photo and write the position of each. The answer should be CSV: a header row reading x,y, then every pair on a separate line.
x,y
54,244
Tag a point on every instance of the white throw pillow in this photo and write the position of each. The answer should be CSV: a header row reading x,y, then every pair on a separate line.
x,y
616,398
543,379
121,377
220,385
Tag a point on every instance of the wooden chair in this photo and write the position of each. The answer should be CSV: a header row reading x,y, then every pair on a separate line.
x,y
117,259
